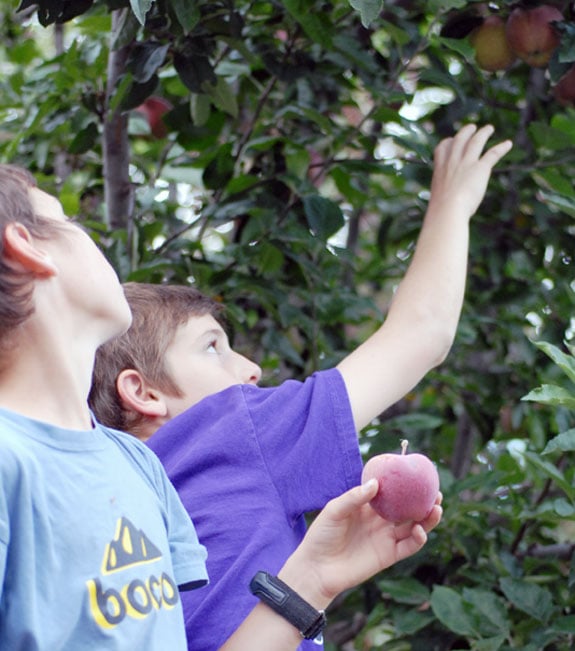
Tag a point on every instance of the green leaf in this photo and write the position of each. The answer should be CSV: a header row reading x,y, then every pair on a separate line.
x,y
449,608
563,508
551,138
314,25
369,10
488,644
405,591
491,608
141,8
550,394
136,93
269,259
564,204
323,215
551,471
194,70
297,160
220,169
565,362
441,7
409,622
564,442
187,12
85,139
223,96
52,11
145,59
415,421
200,105
528,597
564,624
24,53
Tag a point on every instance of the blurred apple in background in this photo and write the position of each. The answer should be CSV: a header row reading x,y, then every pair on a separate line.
x,y
564,89
532,35
492,51
153,109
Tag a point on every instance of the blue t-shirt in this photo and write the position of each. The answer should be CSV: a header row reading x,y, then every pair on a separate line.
x,y
94,542
248,464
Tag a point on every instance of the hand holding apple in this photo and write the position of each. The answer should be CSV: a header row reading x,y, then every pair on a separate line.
x,y
408,485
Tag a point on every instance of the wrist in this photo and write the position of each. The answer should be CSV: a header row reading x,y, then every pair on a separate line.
x,y
290,605
306,582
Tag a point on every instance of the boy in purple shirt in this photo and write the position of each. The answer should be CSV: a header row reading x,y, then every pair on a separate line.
x,y
250,462
95,545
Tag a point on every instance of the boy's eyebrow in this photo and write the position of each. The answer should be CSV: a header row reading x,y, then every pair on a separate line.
x,y
214,331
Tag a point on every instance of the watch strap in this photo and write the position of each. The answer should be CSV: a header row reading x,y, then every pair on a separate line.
x,y
286,602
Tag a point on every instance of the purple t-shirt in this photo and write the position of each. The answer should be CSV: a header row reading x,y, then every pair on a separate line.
x,y
248,463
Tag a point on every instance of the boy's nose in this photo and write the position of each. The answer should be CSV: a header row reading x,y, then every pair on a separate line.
x,y
251,373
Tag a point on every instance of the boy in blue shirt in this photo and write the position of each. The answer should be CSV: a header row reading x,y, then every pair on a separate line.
x,y
261,458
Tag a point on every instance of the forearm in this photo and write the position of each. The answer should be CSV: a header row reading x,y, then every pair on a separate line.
x,y
421,323
428,300
263,630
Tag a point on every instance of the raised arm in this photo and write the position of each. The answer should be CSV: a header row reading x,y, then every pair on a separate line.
x,y
422,320
346,544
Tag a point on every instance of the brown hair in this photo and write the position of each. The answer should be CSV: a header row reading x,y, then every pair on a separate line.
x,y
16,207
157,311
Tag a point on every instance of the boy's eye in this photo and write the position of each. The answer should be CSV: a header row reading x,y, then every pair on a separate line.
x,y
212,348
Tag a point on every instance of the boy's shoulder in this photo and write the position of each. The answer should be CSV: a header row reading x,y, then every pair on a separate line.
x,y
136,452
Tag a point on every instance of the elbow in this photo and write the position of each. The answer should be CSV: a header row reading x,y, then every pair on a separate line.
x,y
442,338
436,335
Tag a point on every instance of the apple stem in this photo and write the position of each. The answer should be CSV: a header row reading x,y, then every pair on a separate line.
x,y
404,444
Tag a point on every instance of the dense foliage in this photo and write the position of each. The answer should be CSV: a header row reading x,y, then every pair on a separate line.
x,y
289,176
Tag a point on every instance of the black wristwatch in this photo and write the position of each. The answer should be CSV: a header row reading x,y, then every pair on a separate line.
x,y
287,603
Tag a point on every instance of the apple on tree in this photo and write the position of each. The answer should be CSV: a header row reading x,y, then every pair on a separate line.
x,y
489,40
408,485
532,35
153,109
564,89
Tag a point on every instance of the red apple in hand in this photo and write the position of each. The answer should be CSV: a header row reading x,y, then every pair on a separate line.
x,y
408,485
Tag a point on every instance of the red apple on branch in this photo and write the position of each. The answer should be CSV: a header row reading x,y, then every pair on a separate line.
x,y
532,35
564,89
408,485
153,109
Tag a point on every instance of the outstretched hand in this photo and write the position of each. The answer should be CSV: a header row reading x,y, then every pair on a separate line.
x,y
462,169
349,542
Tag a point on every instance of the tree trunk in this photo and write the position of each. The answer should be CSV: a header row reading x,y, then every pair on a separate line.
x,y
118,190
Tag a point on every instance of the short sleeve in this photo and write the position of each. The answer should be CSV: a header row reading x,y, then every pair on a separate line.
x,y
308,439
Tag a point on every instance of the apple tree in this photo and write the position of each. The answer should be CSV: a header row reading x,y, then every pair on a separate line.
x,y
278,156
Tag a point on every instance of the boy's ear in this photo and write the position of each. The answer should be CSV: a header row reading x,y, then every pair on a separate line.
x,y
20,246
137,395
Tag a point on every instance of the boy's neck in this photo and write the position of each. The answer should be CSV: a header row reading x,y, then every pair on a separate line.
x,y
46,382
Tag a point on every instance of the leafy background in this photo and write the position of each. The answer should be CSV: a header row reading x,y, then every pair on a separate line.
x,y
289,180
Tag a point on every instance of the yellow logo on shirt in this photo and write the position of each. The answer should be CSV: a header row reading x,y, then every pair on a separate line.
x,y
129,548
